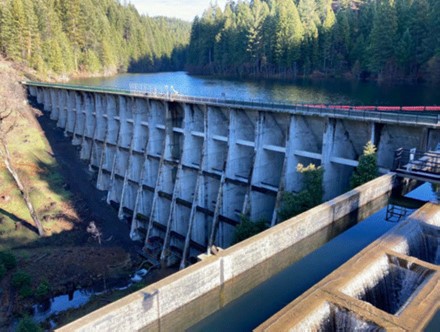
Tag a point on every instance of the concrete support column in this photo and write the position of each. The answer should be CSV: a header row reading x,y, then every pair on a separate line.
x,y
157,147
330,171
222,134
289,151
98,131
62,106
108,149
89,127
78,131
70,112
33,91
143,121
178,129
120,156
191,125
46,100
251,202
40,95
343,143
54,96
126,139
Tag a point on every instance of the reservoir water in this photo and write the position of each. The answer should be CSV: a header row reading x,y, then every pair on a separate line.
x,y
256,306
300,91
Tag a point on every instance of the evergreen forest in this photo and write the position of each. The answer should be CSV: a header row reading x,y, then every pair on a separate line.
x,y
356,39
65,37
359,39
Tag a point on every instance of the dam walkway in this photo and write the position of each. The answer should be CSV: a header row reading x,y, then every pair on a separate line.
x,y
395,114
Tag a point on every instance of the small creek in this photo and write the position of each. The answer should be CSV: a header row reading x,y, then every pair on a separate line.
x,y
76,299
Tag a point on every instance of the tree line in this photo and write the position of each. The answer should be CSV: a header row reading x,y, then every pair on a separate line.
x,y
90,36
379,39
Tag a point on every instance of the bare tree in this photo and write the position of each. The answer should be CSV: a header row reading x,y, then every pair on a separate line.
x,y
12,105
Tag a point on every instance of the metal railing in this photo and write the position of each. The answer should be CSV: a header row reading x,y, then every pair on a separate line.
x,y
411,115
410,160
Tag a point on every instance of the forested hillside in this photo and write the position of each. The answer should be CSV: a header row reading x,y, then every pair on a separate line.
x,y
384,39
64,37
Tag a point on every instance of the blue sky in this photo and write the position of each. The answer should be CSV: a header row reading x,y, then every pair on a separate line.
x,y
185,10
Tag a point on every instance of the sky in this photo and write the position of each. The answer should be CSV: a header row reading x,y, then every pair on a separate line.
x,y
183,9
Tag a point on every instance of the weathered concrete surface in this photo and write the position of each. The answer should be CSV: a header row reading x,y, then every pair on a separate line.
x,y
339,289
190,295
184,170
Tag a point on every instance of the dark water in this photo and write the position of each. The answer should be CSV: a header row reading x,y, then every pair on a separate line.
x,y
262,302
322,91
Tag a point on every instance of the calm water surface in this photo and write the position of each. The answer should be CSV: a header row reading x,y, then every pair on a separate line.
x,y
258,305
329,92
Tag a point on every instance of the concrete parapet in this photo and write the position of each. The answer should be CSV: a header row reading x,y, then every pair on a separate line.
x,y
392,285
183,299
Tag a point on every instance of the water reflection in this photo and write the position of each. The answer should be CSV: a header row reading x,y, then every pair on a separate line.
x,y
264,300
307,91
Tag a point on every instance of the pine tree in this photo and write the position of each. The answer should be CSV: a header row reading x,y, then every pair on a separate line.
x,y
329,21
367,168
289,33
419,28
383,37
255,47
15,38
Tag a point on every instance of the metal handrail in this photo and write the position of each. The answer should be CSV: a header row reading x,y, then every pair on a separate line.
x,y
428,161
369,113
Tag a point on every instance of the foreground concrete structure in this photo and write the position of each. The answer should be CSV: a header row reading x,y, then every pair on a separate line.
x,y
392,285
183,299
182,170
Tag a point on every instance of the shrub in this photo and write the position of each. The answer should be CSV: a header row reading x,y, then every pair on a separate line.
x,y
20,280
367,169
8,260
293,204
248,228
42,290
25,291
26,324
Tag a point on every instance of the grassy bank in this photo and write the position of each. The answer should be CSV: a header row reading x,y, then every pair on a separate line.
x,y
66,258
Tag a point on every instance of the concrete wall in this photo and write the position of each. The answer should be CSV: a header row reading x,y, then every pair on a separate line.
x,y
183,299
410,247
182,173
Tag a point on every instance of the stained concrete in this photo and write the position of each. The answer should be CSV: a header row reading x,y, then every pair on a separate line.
x,y
184,171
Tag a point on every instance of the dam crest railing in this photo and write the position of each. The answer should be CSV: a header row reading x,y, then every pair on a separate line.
x,y
412,115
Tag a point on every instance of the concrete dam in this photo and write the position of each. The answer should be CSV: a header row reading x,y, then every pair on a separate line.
x,y
183,170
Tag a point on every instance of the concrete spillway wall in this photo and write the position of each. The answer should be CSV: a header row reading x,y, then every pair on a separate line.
x,y
183,172
392,285
183,299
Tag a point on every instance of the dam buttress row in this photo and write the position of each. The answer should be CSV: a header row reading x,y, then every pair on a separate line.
x,y
183,173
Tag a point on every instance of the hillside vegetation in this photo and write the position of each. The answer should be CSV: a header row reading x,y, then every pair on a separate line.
x,y
65,37
66,257
383,39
